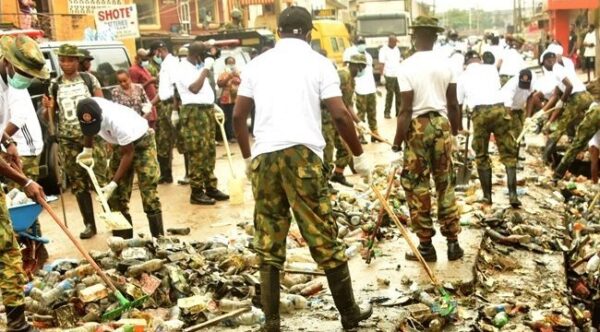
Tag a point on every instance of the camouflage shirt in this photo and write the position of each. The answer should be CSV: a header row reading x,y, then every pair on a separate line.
x,y
153,68
347,86
68,94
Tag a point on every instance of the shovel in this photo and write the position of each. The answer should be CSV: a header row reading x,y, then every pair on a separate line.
x,y
235,185
113,220
448,306
124,303
464,171
529,122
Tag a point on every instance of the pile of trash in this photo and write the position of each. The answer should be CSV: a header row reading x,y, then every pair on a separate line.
x,y
15,197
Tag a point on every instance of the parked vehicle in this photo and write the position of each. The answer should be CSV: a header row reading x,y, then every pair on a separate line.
x,y
331,36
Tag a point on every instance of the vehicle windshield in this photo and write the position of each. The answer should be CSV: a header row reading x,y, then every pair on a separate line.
x,y
377,26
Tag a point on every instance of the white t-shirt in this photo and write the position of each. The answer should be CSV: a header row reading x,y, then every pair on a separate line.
x,y
391,59
512,62
457,63
595,141
514,97
590,38
365,84
479,85
545,85
187,74
496,50
287,84
569,65
559,73
22,114
349,52
166,77
428,76
121,125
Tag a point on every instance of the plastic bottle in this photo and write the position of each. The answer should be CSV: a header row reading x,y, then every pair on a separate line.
x,y
147,267
80,271
52,295
117,244
312,288
256,316
213,254
226,305
500,319
353,250
593,264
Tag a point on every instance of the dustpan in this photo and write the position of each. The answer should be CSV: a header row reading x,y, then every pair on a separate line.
x,y
235,185
113,220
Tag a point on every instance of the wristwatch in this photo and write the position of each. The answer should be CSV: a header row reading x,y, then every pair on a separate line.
x,y
8,142
396,148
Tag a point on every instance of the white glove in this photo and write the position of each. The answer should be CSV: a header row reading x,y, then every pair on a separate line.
x,y
363,128
174,118
86,157
209,63
364,167
146,108
108,190
248,162
559,104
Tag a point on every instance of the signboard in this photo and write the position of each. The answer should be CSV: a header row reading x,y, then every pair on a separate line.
x,y
89,7
572,4
122,20
324,13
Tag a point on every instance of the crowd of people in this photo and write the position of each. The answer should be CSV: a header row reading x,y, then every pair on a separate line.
x,y
306,132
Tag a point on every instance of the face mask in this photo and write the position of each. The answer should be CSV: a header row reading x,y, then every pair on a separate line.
x,y
19,81
145,64
157,59
199,66
361,73
361,48
231,67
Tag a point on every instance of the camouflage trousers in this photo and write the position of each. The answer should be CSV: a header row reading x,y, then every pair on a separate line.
x,y
392,90
12,276
333,141
429,153
293,178
165,133
366,106
504,79
78,177
490,119
145,166
30,167
572,114
585,131
517,118
198,135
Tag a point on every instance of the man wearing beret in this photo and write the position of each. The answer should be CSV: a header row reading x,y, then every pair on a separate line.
x,y
20,62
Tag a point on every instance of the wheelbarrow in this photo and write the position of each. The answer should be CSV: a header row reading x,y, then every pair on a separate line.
x,y
23,218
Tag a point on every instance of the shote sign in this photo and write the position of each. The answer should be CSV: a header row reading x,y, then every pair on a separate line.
x,y
122,20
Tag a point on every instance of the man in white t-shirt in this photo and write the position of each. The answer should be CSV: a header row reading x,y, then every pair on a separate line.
x,y
570,100
594,149
511,60
515,93
366,89
426,81
134,152
390,57
589,53
560,59
285,165
479,88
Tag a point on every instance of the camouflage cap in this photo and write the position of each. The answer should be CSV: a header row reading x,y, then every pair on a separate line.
x,y
183,51
359,59
427,22
236,13
24,53
69,50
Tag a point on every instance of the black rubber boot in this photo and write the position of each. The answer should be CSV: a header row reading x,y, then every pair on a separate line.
x,y
216,194
186,178
155,221
511,180
549,150
485,178
362,140
269,297
340,285
332,190
166,175
341,179
86,208
125,233
455,252
426,249
560,171
16,321
198,197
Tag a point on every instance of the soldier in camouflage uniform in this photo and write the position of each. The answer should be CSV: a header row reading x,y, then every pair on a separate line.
x,y
236,22
65,92
287,170
20,61
134,152
182,53
366,93
425,80
588,127
479,88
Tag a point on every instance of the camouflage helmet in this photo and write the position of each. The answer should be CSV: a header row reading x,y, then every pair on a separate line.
x,y
183,51
69,50
359,59
427,22
24,53
236,13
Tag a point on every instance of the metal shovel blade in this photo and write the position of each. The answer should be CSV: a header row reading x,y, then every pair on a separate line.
x,y
114,221
463,175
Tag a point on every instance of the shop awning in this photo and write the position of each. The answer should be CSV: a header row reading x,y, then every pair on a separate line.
x,y
572,4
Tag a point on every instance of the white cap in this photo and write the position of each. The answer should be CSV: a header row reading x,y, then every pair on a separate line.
x,y
556,49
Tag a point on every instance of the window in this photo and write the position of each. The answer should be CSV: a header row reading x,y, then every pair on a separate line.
x,y
341,43
206,12
334,45
106,63
148,13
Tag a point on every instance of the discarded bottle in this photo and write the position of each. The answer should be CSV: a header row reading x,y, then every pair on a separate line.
x,y
92,313
117,244
147,267
179,231
36,294
491,310
312,289
178,281
80,271
500,319
213,254
52,295
36,307
290,280
256,316
91,280
353,250
593,264
226,305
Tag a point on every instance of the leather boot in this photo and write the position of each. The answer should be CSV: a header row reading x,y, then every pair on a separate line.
x,y
511,180
485,178
216,194
426,249
186,178
156,225
549,150
165,170
340,178
86,208
269,297
454,250
16,321
125,233
340,285
198,197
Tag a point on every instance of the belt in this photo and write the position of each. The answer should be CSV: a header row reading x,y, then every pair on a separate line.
x,y
430,114
481,107
201,106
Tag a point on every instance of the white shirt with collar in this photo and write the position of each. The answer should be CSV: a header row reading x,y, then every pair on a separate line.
x,y
428,76
514,97
391,59
559,73
365,85
512,62
287,84
188,73
166,77
121,125
479,85
590,38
